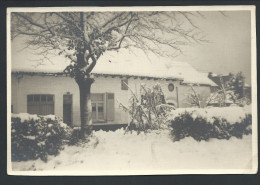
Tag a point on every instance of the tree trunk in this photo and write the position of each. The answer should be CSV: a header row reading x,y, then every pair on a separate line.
x,y
85,106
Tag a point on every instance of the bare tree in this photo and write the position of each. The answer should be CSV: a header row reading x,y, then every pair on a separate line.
x,y
83,37
225,94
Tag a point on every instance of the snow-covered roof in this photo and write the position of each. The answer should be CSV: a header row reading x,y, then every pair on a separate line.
x,y
120,63
218,75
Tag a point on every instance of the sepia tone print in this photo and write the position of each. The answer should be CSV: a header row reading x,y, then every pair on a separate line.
x,y
121,91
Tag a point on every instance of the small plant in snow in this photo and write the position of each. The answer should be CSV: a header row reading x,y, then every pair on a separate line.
x,y
194,99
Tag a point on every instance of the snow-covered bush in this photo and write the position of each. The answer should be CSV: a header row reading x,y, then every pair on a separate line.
x,y
231,90
34,137
148,109
76,139
216,122
243,102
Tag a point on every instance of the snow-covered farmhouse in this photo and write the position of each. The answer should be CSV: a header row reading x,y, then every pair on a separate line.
x,y
45,89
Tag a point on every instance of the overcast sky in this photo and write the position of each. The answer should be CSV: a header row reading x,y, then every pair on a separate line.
x,y
229,49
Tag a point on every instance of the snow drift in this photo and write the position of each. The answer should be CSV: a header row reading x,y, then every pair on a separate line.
x,y
110,152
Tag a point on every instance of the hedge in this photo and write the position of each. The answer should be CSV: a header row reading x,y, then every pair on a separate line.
x,y
203,124
34,137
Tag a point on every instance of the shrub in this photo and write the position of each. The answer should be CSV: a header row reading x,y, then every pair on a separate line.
x,y
75,137
148,109
203,124
34,137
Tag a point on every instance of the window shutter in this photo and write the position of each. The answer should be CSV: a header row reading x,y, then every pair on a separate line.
x,y
110,106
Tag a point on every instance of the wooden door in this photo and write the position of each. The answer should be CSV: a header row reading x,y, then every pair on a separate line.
x,y
67,109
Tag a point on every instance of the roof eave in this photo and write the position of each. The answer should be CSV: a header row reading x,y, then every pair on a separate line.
x,y
97,74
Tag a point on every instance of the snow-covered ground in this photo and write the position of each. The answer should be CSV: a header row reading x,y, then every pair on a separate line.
x,y
110,151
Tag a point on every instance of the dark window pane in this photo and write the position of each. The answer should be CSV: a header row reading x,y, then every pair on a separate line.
x,y
37,104
100,107
36,98
50,98
30,98
93,107
43,98
110,96
100,111
94,111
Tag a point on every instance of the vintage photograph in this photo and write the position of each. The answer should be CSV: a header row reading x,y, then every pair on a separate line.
x,y
132,90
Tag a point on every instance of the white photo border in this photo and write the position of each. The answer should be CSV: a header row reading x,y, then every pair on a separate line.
x,y
254,168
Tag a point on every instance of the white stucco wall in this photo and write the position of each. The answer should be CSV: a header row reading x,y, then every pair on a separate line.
x,y
45,85
14,93
180,92
58,86
169,96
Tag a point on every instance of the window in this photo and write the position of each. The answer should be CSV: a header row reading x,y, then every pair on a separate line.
x,y
170,87
98,104
103,107
41,104
124,83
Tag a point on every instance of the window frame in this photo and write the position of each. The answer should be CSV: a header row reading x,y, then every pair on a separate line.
x,y
96,102
39,103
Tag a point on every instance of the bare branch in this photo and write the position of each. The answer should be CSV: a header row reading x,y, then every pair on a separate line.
x,y
83,37
112,19
29,20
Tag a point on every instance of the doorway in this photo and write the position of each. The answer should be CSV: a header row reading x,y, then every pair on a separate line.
x,y
67,109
